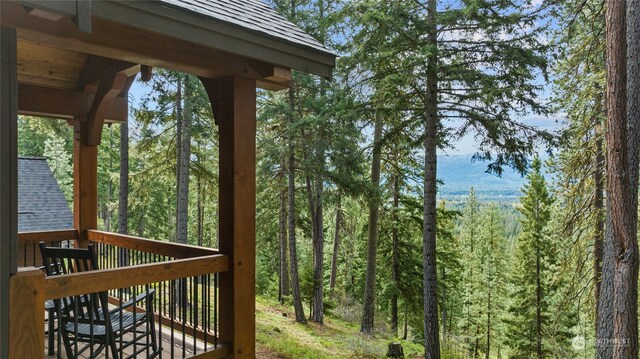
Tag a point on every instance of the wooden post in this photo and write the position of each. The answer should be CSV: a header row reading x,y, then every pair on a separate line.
x,y
85,182
26,338
234,104
8,175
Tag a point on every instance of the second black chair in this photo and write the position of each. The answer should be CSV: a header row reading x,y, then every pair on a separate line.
x,y
85,321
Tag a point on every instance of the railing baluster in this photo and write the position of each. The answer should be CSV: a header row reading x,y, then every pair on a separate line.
x,y
190,303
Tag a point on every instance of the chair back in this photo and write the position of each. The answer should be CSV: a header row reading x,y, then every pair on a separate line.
x,y
90,307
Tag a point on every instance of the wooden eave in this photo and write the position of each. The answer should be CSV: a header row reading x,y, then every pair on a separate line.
x,y
158,18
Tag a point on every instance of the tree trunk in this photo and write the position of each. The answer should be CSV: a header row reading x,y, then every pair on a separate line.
x,y
395,275
317,315
293,256
538,301
622,178
284,264
200,204
183,169
444,308
336,244
431,335
107,212
598,206
140,229
476,347
178,117
368,311
622,191
315,224
123,200
406,325
486,354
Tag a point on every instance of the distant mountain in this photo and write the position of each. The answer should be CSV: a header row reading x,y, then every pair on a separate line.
x,y
459,173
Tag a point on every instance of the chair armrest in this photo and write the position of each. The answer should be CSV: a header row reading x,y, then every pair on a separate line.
x,y
147,295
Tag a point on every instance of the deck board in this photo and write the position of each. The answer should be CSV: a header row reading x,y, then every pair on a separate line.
x,y
170,348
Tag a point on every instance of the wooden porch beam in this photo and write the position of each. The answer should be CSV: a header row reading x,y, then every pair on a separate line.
x,y
234,105
85,182
8,175
107,91
142,46
34,100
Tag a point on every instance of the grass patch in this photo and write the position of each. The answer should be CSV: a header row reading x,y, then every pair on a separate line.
x,y
279,333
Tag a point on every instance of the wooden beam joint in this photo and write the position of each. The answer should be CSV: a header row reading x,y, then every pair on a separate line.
x,y
107,91
97,68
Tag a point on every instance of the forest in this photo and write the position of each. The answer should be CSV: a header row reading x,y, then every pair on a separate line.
x,y
350,224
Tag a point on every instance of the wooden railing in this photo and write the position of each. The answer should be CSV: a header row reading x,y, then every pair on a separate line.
x,y
162,266
28,254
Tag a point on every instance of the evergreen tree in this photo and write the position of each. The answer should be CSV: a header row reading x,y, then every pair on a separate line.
x,y
529,310
450,62
492,255
470,231
563,286
449,268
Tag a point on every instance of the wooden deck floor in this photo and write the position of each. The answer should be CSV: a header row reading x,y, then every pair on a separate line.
x,y
171,349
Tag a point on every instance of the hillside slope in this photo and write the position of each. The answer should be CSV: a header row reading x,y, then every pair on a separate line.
x,y
279,336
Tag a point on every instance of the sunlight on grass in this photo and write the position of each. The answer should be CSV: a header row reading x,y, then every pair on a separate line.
x,y
335,339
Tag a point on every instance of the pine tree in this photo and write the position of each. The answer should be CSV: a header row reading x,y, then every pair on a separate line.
x,y
529,310
580,164
470,231
564,289
450,62
449,276
492,256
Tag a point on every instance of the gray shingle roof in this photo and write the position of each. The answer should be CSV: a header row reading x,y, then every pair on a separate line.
x,y
253,15
41,203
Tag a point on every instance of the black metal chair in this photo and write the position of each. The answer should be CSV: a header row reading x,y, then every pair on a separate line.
x,y
85,321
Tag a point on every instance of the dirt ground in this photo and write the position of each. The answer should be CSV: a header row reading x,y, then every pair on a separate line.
x,y
265,353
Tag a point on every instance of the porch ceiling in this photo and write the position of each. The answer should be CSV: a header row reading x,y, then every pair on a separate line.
x,y
60,67
48,66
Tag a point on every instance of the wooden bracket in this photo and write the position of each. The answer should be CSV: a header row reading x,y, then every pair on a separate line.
x,y
107,91
51,102
97,68
213,92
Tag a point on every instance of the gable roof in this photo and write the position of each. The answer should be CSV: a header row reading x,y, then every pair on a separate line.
x,y
251,15
41,203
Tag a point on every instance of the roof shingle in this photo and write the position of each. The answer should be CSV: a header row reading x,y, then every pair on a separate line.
x,y
252,15
41,203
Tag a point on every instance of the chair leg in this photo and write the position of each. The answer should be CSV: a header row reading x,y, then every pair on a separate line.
x,y
154,343
50,336
66,341
112,344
